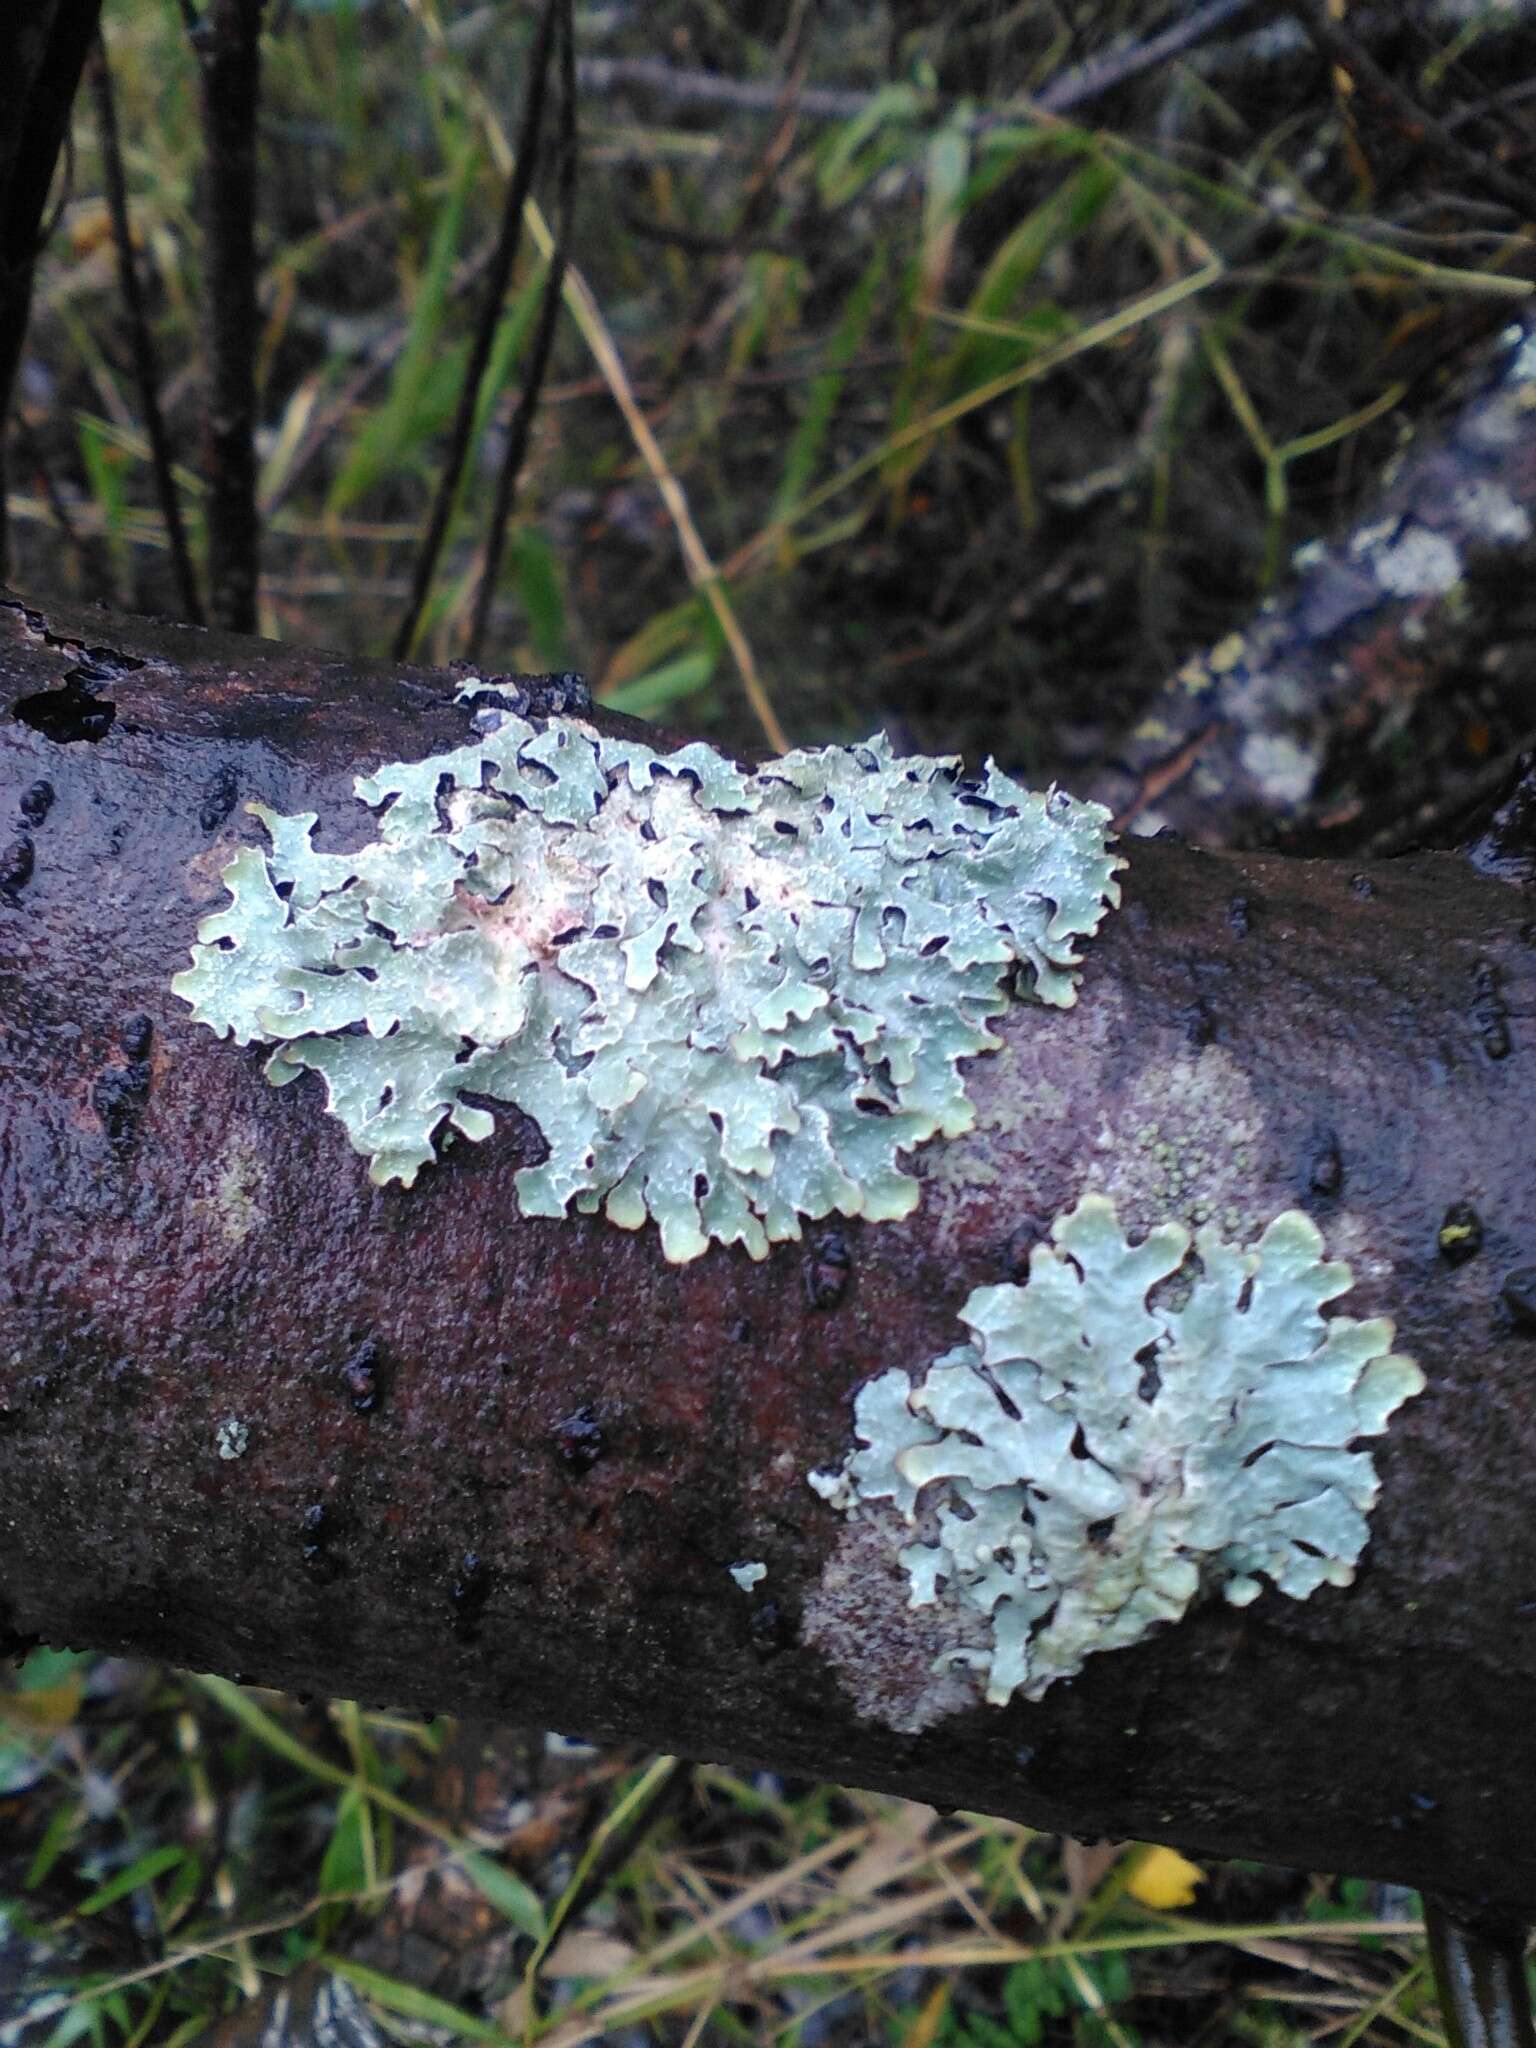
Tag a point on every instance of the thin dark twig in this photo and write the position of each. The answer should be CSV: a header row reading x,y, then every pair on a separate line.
x,y
1060,95
519,185
1485,1998
1498,105
757,198
1343,49
146,368
1088,81
228,46
42,50
521,425
26,445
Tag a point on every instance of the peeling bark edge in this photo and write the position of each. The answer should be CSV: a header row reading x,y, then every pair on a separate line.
x,y
258,1416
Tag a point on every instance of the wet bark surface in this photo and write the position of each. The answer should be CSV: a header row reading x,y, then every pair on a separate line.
x,y
503,1466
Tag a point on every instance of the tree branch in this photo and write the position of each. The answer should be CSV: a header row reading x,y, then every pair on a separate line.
x,y
425,1376
43,45
227,41
498,278
1235,746
1068,90
145,364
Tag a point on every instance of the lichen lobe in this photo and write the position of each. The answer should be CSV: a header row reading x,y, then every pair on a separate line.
x,y
730,1002
1137,1424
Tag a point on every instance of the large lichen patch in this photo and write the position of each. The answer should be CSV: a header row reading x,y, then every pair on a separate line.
x,y
1136,1423
728,1001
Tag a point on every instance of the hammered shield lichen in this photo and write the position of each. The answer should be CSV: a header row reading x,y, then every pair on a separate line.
x,y
1136,1423
729,1001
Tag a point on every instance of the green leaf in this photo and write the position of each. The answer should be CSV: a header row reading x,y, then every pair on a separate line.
x,y
144,1870
77,2022
857,151
43,1668
537,576
826,389
674,680
238,1704
63,1825
1073,206
945,170
397,425
507,1893
414,2004
343,1868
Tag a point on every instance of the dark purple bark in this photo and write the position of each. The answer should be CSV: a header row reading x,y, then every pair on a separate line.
x,y
181,1243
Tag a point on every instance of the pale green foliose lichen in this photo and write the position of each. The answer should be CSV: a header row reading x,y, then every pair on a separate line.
x,y
1135,1424
729,1001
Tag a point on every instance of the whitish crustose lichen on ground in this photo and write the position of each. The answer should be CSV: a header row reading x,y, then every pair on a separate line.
x,y
729,1001
1136,1423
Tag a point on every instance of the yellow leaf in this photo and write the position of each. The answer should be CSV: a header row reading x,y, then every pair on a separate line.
x,y
45,1711
924,2029
1164,1879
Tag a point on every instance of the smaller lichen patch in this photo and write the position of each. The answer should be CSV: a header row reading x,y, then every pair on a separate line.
x,y
233,1438
749,1573
1137,1423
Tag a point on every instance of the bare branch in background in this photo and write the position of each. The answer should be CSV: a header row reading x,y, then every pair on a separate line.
x,y
1236,745
146,367
227,41
521,425
1070,89
1479,167
503,261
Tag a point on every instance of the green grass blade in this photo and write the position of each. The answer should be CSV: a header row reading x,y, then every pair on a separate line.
x,y
1059,219
811,434
507,1893
413,2004
391,432
664,686
144,1870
